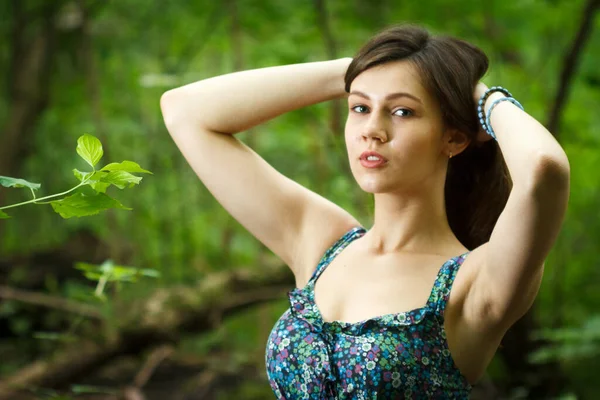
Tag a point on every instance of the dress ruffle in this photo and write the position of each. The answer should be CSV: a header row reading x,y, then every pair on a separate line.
x,y
303,306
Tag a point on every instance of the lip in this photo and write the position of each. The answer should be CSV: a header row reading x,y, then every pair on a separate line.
x,y
372,164
368,153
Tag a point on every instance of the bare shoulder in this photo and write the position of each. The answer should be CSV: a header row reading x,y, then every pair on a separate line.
x,y
327,224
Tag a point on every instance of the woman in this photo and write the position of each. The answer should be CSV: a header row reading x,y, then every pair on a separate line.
x,y
416,305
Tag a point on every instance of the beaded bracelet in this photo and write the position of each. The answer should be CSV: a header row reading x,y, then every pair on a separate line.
x,y
489,129
480,105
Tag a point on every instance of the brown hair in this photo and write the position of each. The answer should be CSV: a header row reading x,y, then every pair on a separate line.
x,y
477,182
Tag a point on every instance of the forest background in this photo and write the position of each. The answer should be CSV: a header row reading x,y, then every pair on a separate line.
x,y
196,328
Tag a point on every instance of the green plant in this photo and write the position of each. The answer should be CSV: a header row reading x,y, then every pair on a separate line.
x,y
569,343
81,204
109,272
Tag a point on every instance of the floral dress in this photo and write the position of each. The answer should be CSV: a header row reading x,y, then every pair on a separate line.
x,y
393,356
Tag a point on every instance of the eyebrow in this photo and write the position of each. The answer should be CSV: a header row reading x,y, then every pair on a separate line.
x,y
389,96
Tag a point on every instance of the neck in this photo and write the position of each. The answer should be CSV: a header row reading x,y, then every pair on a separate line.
x,y
412,222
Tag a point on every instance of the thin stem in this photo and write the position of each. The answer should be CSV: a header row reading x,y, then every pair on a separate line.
x,y
44,198
32,192
102,284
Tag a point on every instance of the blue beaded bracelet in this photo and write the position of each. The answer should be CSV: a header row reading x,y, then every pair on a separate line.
x,y
480,105
489,129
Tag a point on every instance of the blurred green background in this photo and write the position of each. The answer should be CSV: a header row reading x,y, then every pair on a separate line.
x,y
100,67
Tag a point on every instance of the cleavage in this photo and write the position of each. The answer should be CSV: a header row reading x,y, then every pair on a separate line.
x,y
353,288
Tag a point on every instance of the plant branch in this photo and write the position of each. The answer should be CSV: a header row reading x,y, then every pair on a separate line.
x,y
44,198
156,357
160,319
44,300
570,64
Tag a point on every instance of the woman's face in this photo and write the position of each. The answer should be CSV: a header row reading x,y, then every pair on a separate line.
x,y
391,113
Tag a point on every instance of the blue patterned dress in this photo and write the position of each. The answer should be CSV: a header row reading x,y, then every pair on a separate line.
x,y
393,356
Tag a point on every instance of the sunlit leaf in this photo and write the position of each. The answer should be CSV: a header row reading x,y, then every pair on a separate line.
x,y
95,182
127,166
81,175
120,179
100,187
90,149
80,205
85,266
115,273
93,276
18,183
106,266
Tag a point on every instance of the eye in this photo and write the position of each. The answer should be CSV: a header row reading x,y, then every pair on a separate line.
x,y
355,107
406,112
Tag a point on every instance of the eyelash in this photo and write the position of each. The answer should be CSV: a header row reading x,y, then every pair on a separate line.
x,y
411,113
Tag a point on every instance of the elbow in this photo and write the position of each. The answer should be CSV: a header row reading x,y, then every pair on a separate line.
x,y
551,179
553,170
168,107
165,100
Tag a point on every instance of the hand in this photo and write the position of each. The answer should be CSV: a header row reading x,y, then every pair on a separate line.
x,y
482,135
480,89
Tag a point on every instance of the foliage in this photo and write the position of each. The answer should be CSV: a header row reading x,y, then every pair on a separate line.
x,y
570,344
137,52
109,272
81,204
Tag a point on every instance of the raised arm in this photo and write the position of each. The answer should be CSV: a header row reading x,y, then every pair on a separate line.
x,y
295,223
511,264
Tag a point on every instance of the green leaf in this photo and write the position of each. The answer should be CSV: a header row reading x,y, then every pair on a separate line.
x,y
93,276
94,179
127,166
121,179
4,215
82,175
151,273
81,205
101,180
85,266
118,273
90,149
82,389
100,187
18,183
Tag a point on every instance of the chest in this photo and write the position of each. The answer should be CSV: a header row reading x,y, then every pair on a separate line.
x,y
355,287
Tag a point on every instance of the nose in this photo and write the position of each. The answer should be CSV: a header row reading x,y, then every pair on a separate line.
x,y
375,129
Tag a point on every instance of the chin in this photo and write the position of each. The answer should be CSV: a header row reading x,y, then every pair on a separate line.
x,y
373,186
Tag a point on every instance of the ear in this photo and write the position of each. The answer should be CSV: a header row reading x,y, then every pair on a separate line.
x,y
455,141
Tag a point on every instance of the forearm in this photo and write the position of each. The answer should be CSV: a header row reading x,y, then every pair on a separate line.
x,y
238,101
527,146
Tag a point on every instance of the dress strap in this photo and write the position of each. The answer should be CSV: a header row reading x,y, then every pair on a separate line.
x,y
335,249
440,293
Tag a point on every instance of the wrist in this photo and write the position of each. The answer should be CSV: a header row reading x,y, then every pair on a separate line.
x,y
342,64
491,98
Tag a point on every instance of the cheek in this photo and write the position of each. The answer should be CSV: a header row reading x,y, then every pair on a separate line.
x,y
352,141
406,149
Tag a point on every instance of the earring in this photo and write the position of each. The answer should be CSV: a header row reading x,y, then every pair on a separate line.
x,y
450,155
